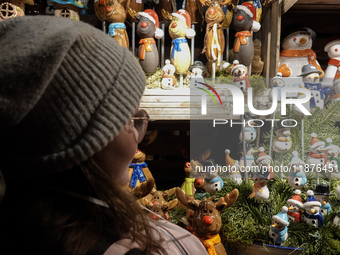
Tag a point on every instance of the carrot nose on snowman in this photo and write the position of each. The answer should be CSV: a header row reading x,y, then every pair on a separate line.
x,y
144,24
212,11
303,40
240,18
174,25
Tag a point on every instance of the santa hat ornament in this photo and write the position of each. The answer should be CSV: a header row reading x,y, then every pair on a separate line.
x,y
185,16
250,10
311,200
282,216
228,159
262,155
315,142
296,199
152,15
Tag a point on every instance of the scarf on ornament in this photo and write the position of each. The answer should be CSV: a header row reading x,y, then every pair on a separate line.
x,y
244,78
210,243
316,155
187,186
295,215
335,62
309,53
326,206
285,139
215,44
137,174
177,45
317,216
280,234
257,187
114,26
146,46
241,39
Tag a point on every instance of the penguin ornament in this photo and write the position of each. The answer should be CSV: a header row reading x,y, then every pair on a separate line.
x,y
283,142
264,160
297,177
322,195
312,215
260,189
147,29
297,51
316,156
213,182
294,207
279,229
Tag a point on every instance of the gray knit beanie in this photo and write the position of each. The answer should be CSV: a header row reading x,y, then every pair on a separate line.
x,y
66,90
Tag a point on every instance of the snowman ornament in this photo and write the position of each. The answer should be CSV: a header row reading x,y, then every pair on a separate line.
x,y
250,133
336,86
322,195
283,142
312,215
333,161
234,172
278,83
332,70
316,156
279,229
240,80
294,207
311,78
197,70
297,51
297,177
336,220
260,189
168,78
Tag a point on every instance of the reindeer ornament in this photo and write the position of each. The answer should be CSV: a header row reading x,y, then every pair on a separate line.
x,y
214,37
113,11
147,28
180,52
206,219
244,21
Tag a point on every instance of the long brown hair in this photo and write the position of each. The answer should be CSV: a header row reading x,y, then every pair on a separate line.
x,y
35,219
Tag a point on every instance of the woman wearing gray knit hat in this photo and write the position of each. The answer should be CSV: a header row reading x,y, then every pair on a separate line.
x,y
68,97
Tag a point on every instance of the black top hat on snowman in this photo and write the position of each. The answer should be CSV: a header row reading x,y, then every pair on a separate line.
x,y
240,146
209,163
291,29
198,64
308,69
323,189
286,123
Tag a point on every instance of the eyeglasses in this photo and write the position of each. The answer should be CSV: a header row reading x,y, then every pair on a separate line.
x,y
139,121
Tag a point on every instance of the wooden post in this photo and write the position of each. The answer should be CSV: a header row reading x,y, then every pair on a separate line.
x,y
133,40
